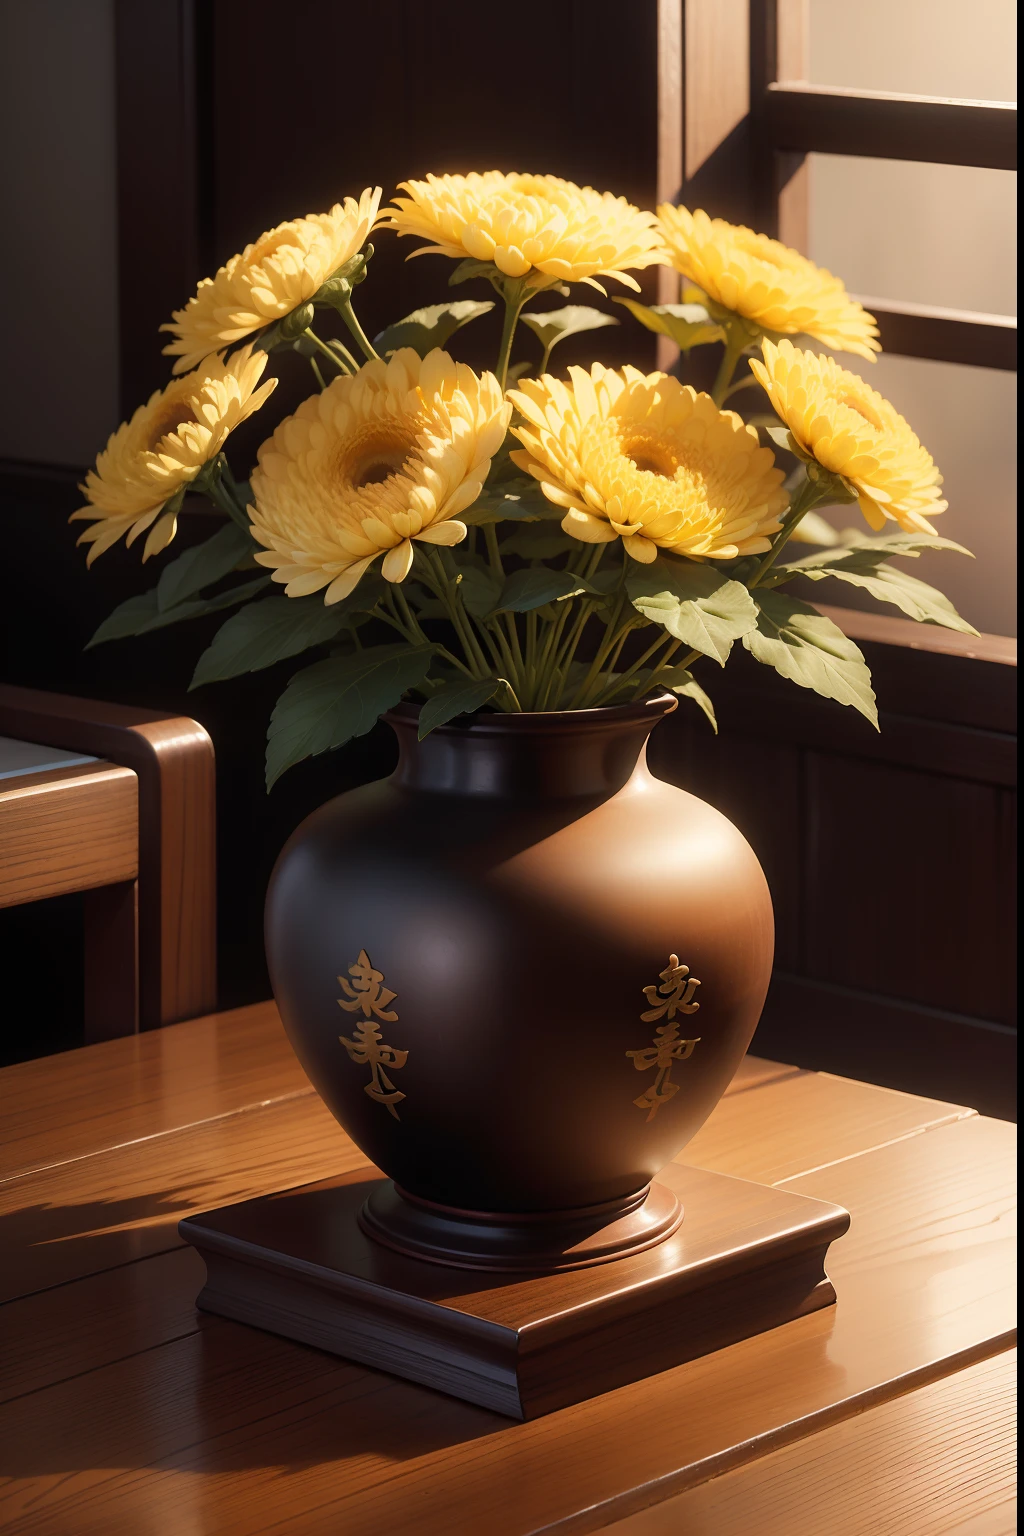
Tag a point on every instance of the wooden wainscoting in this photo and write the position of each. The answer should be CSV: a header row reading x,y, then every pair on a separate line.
x,y
891,857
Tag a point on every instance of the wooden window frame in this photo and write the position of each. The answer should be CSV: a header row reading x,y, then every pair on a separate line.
x,y
791,118
738,118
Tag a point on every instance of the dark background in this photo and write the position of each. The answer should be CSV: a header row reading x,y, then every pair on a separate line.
x,y
890,859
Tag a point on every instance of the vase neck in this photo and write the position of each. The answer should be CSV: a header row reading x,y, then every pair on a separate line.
x,y
576,753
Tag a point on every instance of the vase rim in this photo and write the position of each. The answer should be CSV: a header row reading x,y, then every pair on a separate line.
x,y
544,721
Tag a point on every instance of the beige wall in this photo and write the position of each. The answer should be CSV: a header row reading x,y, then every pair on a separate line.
x,y
932,234
58,259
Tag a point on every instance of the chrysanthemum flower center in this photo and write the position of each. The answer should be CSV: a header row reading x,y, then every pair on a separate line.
x,y
378,470
651,456
650,461
177,414
372,456
856,402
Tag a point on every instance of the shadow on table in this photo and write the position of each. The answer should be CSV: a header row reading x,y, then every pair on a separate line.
x,y
42,1246
222,1398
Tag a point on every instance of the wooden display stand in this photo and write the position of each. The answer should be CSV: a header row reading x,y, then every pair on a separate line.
x,y
745,1259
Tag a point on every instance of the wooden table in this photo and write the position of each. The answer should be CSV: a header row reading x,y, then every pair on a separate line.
x,y
124,1411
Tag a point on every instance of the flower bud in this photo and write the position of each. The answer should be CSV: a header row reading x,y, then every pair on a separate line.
x,y
296,323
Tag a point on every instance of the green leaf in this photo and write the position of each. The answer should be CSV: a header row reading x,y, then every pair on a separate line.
x,y
696,603
813,529
265,633
908,544
516,372
519,499
688,325
782,437
809,649
431,327
202,565
480,590
332,701
128,618
529,589
138,615
471,268
461,696
889,584
680,680
538,541
554,325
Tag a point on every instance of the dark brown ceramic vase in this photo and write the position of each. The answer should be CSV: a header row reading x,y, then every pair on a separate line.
x,y
520,972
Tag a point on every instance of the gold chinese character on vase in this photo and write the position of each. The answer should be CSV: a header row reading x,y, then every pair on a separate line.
x,y
674,995
367,994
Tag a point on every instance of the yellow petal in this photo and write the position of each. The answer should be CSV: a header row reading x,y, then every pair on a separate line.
x,y
397,563
447,533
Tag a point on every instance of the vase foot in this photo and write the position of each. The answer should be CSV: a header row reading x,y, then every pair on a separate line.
x,y
545,1242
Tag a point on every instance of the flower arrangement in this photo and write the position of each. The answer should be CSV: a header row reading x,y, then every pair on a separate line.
x,y
495,539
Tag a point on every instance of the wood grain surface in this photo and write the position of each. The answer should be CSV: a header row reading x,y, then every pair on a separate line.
x,y
67,829
238,1430
78,1218
74,1218
832,1115
931,1463
68,1330
86,1101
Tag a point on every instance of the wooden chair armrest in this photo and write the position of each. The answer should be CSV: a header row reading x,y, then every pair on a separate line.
x,y
174,761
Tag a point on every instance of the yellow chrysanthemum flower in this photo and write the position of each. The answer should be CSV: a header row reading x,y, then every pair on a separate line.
x,y
380,458
524,224
280,271
649,460
851,430
765,282
164,446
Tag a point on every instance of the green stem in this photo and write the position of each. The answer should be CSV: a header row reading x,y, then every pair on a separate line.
x,y
547,662
493,552
401,603
735,345
595,558
327,351
438,581
624,634
508,661
221,488
517,650
666,660
348,314
734,389
561,658
513,305
351,362
317,374
497,662
630,672
805,501
517,708
583,692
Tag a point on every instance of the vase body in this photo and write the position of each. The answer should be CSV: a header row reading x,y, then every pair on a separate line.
x,y
463,954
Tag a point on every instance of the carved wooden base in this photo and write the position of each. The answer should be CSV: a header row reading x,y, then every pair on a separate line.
x,y
745,1258
554,1241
